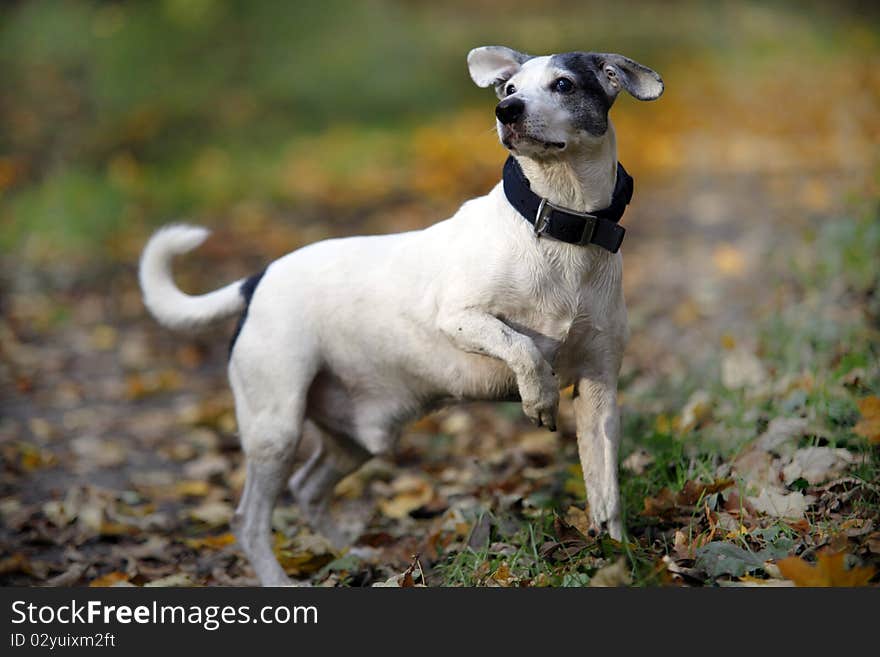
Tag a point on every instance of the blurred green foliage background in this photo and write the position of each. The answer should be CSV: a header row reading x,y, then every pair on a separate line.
x,y
129,114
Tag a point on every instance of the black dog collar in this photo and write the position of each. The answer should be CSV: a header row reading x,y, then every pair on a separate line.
x,y
600,227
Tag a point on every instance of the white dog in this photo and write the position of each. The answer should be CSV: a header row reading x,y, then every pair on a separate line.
x,y
517,295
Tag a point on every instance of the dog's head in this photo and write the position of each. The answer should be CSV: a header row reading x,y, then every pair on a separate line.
x,y
558,102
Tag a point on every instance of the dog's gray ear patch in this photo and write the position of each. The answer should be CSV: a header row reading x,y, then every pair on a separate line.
x,y
622,72
492,65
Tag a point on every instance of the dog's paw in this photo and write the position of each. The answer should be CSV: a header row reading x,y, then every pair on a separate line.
x,y
541,401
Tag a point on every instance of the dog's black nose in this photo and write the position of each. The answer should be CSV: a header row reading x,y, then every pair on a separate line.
x,y
509,110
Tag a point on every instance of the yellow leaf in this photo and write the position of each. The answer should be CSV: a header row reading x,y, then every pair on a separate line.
x,y
869,426
302,555
109,579
574,483
502,576
663,424
213,542
828,571
192,488
729,260
412,493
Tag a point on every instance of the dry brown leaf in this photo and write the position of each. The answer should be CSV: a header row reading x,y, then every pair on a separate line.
x,y
615,574
666,502
304,554
411,493
502,575
579,519
828,571
869,425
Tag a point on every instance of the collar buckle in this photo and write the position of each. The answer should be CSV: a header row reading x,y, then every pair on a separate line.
x,y
542,220
542,216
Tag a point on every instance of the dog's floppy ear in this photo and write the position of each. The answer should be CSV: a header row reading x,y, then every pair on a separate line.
x,y
622,72
494,65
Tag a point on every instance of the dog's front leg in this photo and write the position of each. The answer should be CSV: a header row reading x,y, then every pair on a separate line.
x,y
480,333
598,436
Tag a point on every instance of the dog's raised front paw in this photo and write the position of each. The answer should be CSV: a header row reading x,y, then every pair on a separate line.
x,y
541,402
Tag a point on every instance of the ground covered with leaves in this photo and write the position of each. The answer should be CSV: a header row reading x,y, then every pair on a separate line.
x,y
750,389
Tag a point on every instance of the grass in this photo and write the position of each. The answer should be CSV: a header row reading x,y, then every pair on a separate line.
x,y
791,345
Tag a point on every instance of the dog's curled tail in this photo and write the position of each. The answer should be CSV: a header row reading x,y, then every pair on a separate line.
x,y
170,306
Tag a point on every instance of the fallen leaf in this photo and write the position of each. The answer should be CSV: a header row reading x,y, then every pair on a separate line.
x,y
405,579
391,582
412,493
19,562
781,435
479,535
177,579
95,453
304,554
70,576
579,519
729,260
781,505
719,558
829,570
192,488
817,464
638,461
215,514
539,443
502,575
696,411
109,579
869,424
615,574
740,368
666,502
574,483
212,542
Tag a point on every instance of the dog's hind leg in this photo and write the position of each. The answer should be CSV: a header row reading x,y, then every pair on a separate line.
x,y
312,485
270,422
252,522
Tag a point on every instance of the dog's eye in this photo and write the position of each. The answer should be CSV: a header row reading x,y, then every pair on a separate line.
x,y
509,89
563,85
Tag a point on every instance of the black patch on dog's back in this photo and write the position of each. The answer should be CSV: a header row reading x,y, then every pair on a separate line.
x,y
247,289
